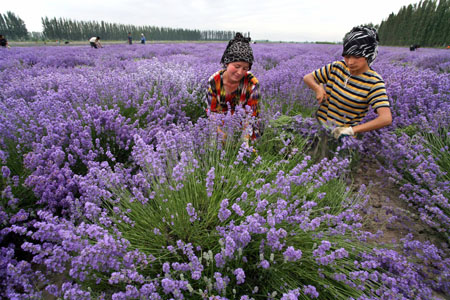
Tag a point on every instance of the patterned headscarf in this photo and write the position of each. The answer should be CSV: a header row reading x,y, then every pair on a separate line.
x,y
361,41
238,49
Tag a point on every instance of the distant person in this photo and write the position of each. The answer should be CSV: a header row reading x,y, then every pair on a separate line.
x,y
414,47
346,89
142,38
95,42
130,39
235,84
3,41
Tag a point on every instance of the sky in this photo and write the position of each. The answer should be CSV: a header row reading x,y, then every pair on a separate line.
x,y
275,20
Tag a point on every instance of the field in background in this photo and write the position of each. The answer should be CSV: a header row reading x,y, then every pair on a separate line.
x,y
115,184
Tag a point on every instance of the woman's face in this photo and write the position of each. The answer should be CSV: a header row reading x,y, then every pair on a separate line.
x,y
236,70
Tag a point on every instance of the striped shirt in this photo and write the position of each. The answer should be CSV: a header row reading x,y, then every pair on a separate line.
x,y
247,93
349,95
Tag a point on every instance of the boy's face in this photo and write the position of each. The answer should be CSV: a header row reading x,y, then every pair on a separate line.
x,y
356,64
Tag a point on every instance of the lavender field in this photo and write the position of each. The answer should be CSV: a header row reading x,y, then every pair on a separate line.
x,y
116,185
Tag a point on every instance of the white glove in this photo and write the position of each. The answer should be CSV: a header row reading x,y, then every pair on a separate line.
x,y
339,132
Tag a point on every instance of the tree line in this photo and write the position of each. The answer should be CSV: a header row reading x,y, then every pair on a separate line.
x,y
12,26
66,29
426,24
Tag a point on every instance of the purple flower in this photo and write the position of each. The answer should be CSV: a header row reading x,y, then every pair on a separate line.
x,y
166,267
264,264
311,291
237,209
210,182
191,212
6,172
224,213
291,254
240,275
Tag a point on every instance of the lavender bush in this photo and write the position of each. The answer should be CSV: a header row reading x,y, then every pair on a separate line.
x,y
116,185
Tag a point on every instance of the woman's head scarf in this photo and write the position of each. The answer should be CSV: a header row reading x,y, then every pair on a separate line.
x,y
238,49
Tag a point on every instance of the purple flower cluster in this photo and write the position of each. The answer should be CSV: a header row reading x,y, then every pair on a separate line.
x,y
115,180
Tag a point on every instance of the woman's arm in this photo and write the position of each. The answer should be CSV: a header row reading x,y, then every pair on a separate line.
x,y
254,99
211,99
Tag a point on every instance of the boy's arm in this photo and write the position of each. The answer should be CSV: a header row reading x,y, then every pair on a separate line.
x,y
384,119
321,94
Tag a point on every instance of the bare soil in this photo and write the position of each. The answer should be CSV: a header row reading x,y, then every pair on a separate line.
x,y
386,211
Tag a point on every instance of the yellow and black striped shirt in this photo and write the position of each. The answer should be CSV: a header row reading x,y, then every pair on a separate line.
x,y
349,96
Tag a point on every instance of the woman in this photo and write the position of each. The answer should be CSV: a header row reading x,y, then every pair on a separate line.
x,y
235,85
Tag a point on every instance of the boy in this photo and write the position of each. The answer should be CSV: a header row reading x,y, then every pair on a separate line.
x,y
351,86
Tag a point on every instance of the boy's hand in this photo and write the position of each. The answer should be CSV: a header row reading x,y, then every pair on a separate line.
x,y
321,94
339,132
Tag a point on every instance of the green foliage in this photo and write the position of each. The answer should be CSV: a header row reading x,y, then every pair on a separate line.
x,y
424,24
440,148
108,140
289,107
165,212
279,139
58,29
24,196
195,109
12,26
410,130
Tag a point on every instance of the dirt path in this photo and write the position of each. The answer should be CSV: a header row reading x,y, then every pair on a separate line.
x,y
385,211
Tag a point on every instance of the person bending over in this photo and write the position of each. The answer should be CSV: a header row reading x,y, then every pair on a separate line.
x,y
346,89
95,42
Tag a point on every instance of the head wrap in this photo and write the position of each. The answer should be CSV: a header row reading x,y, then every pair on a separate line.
x,y
361,41
238,49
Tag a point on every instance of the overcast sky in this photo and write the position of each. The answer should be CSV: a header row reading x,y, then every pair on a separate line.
x,y
276,20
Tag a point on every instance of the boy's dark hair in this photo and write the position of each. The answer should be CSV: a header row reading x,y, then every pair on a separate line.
x,y
98,38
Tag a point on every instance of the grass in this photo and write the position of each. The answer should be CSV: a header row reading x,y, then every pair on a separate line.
x,y
166,212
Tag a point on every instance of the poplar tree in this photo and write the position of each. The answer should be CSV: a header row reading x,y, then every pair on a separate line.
x,y
82,30
12,26
426,24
